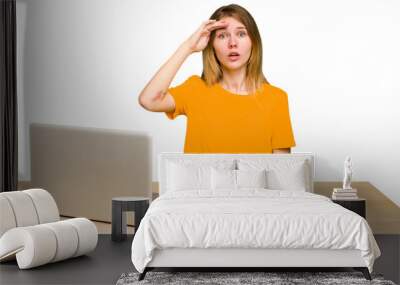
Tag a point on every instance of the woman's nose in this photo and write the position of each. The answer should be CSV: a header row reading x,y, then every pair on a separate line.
x,y
232,41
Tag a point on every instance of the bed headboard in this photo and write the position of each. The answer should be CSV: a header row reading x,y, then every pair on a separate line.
x,y
165,157
85,167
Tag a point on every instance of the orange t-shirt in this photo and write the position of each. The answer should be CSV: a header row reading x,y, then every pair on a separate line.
x,y
219,121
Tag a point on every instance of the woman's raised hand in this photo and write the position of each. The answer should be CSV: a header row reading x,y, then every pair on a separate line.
x,y
199,39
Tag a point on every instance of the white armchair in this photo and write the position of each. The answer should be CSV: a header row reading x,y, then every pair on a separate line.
x,y
31,230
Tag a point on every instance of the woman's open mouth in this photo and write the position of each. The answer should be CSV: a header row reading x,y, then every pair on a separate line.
x,y
233,56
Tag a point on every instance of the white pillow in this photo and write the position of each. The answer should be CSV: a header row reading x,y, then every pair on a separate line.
x,y
186,175
251,178
223,179
237,179
282,174
291,178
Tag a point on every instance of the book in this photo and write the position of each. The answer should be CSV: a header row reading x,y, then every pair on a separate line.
x,y
341,190
345,194
344,197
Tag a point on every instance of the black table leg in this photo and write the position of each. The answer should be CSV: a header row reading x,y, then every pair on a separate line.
x,y
118,224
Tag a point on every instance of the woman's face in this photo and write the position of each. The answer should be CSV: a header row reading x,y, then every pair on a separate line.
x,y
232,39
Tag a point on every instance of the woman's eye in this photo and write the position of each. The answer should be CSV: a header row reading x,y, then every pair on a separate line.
x,y
222,35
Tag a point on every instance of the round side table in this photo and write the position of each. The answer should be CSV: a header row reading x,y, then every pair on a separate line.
x,y
120,205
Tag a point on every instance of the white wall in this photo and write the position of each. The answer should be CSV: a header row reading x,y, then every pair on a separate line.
x,y
84,62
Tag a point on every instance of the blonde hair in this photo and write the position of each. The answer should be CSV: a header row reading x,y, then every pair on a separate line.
x,y
212,72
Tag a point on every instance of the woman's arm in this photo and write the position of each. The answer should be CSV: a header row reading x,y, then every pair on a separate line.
x,y
155,97
281,150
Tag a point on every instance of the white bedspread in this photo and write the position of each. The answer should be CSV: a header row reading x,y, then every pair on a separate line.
x,y
250,218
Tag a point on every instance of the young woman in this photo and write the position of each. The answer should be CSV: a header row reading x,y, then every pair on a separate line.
x,y
231,108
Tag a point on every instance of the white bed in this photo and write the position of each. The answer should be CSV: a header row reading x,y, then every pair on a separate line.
x,y
237,215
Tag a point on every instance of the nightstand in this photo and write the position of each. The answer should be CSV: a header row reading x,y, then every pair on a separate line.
x,y
120,205
358,206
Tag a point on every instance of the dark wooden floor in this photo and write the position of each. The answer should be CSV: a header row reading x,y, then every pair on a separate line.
x,y
111,259
102,266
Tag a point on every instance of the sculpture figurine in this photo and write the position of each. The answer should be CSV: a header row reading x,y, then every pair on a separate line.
x,y
348,172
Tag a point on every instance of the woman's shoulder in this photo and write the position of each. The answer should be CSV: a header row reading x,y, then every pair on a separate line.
x,y
274,89
275,92
195,79
193,82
